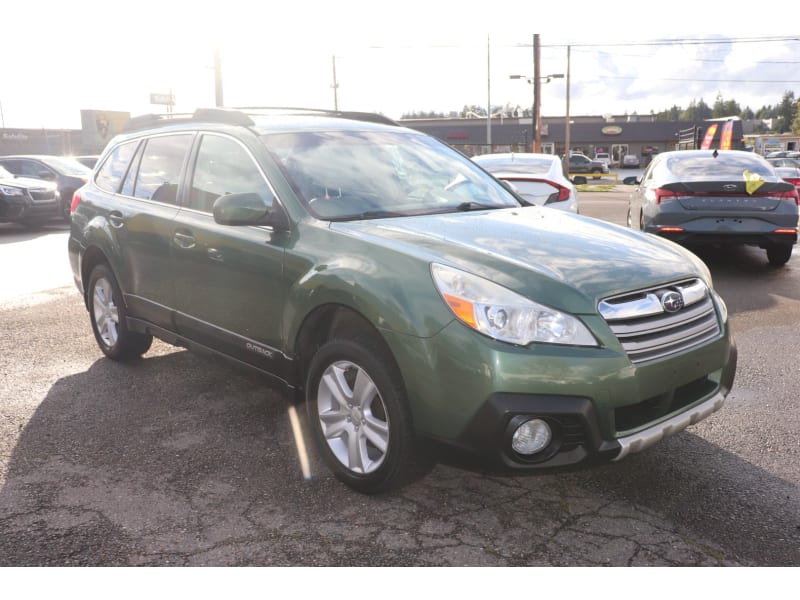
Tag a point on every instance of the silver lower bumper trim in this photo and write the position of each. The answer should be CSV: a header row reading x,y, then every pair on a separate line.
x,y
644,439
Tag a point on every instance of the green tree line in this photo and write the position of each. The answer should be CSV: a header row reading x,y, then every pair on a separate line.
x,y
785,115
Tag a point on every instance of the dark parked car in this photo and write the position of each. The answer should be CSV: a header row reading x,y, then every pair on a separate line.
x,y
67,173
716,197
398,290
630,161
27,201
580,163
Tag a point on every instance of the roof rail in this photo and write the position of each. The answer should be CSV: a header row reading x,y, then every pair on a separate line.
x,y
241,116
354,115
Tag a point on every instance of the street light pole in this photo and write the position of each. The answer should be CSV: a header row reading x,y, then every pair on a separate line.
x,y
537,122
566,130
536,136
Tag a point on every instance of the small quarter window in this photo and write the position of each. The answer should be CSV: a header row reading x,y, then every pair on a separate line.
x,y
115,166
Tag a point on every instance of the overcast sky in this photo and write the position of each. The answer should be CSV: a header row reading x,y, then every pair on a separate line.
x,y
390,57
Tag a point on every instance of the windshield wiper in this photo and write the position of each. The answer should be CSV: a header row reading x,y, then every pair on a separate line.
x,y
377,214
470,205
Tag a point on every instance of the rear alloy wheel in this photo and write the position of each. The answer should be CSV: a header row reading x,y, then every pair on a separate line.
x,y
108,313
779,254
357,409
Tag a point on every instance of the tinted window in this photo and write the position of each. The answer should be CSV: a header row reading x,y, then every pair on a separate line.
x,y
115,166
223,166
160,168
724,166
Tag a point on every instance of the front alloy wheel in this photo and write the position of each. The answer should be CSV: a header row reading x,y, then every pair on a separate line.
x,y
353,417
107,313
358,412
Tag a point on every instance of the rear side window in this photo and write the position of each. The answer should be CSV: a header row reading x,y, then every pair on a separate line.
x,y
160,168
115,166
223,166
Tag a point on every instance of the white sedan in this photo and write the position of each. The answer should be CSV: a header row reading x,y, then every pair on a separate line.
x,y
537,178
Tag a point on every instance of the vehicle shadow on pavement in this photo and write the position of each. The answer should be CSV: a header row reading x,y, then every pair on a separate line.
x,y
179,459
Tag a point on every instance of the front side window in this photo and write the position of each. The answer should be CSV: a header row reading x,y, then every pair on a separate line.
x,y
343,175
223,166
160,168
115,166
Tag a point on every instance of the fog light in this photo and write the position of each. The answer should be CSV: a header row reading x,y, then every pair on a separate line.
x,y
531,437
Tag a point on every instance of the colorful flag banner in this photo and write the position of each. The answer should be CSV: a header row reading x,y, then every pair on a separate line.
x,y
727,135
712,129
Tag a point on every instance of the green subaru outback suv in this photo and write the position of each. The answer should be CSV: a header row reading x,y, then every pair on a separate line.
x,y
404,295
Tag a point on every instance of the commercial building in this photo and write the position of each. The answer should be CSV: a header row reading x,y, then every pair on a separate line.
x,y
621,135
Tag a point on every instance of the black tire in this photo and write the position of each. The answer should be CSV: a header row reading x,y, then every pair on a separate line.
x,y
779,254
66,203
366,442
108,315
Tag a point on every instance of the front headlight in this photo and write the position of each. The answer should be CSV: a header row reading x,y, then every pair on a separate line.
x,y
504,315
723,308
11,191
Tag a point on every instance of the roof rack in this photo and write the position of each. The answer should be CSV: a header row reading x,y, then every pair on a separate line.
x,y
241,116
354,115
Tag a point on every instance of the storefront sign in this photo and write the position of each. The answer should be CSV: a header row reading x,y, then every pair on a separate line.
x,y
611,130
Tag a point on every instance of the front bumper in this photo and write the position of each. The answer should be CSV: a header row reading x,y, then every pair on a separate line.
x,y
599,406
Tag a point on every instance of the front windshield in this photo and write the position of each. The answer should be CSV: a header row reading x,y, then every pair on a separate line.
x,y
344,175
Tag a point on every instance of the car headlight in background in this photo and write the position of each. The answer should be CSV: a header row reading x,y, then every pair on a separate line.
x,y
11,191
504,315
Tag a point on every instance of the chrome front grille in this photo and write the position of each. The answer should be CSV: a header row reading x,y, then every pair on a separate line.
x,y
647,330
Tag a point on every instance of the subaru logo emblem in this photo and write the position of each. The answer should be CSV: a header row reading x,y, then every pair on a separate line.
x,y
672,302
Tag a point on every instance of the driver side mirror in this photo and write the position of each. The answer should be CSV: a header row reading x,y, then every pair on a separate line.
x,y
249,209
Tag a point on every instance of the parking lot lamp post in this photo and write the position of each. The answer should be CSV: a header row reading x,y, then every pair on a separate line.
x,y
535,117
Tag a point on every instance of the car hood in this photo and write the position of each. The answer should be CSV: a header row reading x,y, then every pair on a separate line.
x,y
28,183
563,260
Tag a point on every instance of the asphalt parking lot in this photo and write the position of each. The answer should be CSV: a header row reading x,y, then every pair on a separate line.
x,y
180,459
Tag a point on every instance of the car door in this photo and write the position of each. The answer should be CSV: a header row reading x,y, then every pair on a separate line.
x,y
146,187
229,284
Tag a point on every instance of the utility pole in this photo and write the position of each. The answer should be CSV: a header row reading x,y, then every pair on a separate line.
x,y
537,140
566,129
335,87
218,78
488,96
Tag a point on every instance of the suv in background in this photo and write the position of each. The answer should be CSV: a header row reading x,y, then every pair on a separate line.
x,y
67,173
580,163
603,157
29,202
398,290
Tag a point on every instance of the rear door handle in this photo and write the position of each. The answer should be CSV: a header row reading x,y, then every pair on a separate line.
x,y
184,240
116,219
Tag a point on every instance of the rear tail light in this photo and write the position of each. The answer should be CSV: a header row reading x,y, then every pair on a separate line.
x,y
560,195
792,195
663,195
76,199
670,229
